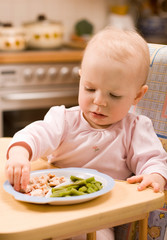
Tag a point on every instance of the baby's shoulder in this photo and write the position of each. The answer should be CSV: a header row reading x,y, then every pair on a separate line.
x,y
135,116
72,112
61,114
73,115
64,110
135,119
75,110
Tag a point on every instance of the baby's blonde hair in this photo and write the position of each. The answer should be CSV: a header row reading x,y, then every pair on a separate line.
x,y
122,46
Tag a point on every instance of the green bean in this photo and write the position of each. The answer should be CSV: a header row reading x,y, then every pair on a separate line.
x,y
94,187
75,185
98,185
61,193
64,187
70,192
79,186
88,185
90,190
88,180
75,192
83,189
74,178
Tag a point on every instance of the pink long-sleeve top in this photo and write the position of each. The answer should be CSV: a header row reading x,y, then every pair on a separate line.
x,y
126,147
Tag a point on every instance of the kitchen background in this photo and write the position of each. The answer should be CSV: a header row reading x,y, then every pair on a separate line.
x,y
66,11
95,11
34,78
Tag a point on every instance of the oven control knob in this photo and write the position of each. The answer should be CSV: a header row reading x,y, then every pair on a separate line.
x,y
27,74
75,72
64,71
52,72
40,73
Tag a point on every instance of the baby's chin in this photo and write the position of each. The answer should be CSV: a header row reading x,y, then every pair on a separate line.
x,y
97,122
98,125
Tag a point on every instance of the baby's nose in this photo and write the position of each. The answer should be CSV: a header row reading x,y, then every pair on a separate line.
x,y
100,100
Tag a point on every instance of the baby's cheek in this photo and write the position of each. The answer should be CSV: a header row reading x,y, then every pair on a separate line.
x,y
83,101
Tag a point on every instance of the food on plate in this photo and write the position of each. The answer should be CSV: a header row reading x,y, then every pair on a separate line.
x,y
79,186
40,185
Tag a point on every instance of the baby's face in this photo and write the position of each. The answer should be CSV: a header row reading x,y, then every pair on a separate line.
x,y
107,90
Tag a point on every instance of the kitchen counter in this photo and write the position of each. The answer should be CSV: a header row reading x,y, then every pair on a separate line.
x,y
31,56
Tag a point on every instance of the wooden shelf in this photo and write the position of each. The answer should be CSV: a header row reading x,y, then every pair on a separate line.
x,y
41,56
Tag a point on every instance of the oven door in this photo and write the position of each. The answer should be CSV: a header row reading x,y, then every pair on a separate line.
x,y
20,108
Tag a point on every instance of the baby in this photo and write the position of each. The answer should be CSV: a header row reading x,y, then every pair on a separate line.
x,y
100,133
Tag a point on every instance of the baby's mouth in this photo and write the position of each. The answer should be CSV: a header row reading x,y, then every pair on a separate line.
x,y
98,114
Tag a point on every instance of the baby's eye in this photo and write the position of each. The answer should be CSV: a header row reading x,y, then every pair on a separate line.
x,y
114,96
89,89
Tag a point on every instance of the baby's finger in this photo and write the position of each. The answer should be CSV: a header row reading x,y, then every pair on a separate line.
x,y
25,177
9,173
17,178
156,187
144,184
135,179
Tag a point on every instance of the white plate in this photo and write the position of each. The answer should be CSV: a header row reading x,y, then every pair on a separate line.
x,y
108,184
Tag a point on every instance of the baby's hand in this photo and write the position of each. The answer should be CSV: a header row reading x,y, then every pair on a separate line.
x,y
18,168
154,180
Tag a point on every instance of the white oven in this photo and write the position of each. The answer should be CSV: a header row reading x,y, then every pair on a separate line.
x,y
27,91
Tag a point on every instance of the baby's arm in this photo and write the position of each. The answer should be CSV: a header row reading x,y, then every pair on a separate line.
x,y
154,180
18,167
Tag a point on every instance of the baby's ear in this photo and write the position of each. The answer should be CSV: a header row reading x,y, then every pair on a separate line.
x,y
80,72
140,94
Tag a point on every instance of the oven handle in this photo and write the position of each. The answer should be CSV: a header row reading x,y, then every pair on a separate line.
x,y
39,96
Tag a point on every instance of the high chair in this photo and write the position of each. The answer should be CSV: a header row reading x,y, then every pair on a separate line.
x,y
153,105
